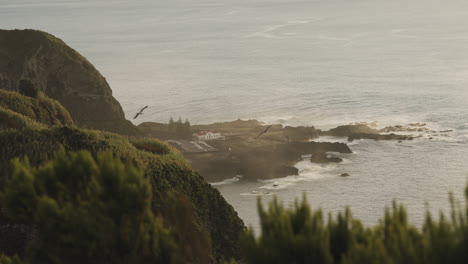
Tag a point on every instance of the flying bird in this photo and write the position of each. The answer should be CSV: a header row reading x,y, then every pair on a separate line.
x,y
141,112
265,131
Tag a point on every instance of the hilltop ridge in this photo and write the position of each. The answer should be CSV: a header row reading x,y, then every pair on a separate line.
x,y
62,74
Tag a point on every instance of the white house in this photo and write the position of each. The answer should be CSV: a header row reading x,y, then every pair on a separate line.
x,y
207,135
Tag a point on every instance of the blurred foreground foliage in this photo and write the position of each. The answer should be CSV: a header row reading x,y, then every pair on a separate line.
x,y
96,210
302,235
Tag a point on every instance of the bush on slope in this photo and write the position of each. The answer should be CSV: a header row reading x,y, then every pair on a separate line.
x,y
41,109
167,172
88,210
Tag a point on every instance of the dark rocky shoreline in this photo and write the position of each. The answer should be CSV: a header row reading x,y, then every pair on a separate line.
x,y
272,155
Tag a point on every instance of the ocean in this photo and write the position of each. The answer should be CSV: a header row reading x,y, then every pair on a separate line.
x,y
296,62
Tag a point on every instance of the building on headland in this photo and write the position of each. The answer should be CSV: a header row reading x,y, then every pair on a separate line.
x,y
207,135
188,146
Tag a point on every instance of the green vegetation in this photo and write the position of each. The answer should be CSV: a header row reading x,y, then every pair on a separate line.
x,y
88,211
302,235
167,173
152,145
196,214
22,41
12,120
179,128
7,260
40,108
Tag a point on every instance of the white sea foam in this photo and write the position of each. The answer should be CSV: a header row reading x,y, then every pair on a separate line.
x,y
256,193
227,181
271,31
307,172
331,139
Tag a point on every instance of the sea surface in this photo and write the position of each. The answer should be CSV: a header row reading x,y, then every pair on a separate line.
x,y
295,62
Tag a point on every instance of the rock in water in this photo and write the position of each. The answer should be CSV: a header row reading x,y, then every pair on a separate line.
x,y
379,137
62,74
300,133
344,131
344,175
322,157
284,171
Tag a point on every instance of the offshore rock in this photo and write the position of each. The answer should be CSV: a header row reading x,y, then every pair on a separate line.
x,y
344,131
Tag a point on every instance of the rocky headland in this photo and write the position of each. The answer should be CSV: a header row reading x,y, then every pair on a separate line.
x,y
272,155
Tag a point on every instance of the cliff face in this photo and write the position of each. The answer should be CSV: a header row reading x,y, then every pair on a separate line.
x,y
62,74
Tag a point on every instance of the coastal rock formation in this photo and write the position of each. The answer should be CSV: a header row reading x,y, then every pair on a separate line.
x,y
285,171
415,127
344,131
363,131
265,162
262,164
62,74
312,147
300,133
322,157
392,136
214,167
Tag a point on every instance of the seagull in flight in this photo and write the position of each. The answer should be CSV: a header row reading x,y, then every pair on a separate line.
x,y
265,131
141,112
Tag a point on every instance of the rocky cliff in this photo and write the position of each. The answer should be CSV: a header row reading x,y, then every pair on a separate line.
x,y
62,74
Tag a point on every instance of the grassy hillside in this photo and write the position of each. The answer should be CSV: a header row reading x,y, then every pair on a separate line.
x,y
166,169
41,109
13,120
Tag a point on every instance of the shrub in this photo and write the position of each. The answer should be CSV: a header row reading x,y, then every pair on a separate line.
x,y
300,235
152,145
13,120
167,173
41,109
288,236
88,210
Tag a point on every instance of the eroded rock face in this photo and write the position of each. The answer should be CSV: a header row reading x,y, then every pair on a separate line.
x,y
62,74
